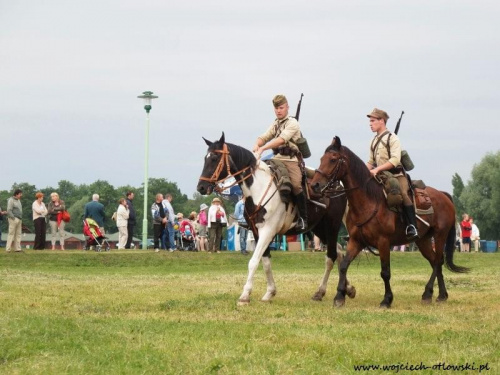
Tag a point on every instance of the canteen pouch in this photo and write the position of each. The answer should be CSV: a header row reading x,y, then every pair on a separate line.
x,y
406,161
303,147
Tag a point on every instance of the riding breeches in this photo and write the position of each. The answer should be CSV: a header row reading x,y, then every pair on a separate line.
x,y
403,184
295,175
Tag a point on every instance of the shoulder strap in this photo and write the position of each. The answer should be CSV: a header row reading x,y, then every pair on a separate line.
x,y
377,140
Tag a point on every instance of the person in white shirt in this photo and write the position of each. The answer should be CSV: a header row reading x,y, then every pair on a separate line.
x,y
122,215
216,221
39,213
474,237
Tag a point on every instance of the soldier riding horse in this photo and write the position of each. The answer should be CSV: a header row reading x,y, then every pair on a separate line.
x,y
265,212
370,222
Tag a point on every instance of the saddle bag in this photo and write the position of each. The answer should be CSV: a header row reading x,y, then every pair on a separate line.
x,y
422,199
391,188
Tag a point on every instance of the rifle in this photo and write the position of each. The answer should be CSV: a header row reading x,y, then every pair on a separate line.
x,y
297,114
399,122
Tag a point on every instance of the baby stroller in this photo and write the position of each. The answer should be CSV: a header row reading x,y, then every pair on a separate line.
x,y
187,236
94,236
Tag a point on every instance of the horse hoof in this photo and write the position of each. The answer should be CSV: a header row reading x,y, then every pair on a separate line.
x,y
426,301
441,299
318,296
385,306
338,303
351,291
243,302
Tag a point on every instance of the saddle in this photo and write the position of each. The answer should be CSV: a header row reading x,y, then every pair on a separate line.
x,y
392,192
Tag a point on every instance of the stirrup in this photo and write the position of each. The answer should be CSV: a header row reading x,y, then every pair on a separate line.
x,y
411,232
301,224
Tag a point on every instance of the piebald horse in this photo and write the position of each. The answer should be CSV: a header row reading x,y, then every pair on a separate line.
x,y
371,223
266,214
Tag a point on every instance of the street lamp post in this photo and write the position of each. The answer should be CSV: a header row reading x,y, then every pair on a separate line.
x,y
147,96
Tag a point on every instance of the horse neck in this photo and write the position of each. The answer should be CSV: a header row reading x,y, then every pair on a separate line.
x,y
356,193
260,181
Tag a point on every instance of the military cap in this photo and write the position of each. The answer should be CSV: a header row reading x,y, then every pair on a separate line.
x,y
279,100
378,113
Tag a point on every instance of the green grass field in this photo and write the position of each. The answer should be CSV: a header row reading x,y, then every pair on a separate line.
x,y
139,312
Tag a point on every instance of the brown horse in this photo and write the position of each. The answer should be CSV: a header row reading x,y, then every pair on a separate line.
x,y
371,223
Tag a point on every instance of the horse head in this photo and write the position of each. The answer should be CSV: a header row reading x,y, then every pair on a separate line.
x,y
331,168
213,167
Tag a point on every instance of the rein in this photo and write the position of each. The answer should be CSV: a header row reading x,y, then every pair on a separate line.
x,y
332,180
224,161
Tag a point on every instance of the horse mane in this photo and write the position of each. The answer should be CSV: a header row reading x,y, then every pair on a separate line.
x,y
241,156
360,174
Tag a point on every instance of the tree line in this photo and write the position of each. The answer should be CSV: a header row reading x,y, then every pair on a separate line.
x,y
480,197
76,196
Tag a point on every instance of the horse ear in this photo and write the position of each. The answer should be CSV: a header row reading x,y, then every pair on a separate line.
x,y
207,142
222,139
336,143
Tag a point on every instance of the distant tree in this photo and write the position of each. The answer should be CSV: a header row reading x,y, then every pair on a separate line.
x,y
76,211
458,188
481,196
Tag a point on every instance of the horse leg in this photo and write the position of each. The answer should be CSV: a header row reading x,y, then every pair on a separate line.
x,y
271,286
425,247
385,273
352,251
320,293
265,237
440,244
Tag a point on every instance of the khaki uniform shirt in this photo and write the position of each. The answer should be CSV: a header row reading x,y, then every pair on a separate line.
x,y
289,130
380,156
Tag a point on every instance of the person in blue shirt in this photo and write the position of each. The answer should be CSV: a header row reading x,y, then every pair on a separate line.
x,y
95,211
239,210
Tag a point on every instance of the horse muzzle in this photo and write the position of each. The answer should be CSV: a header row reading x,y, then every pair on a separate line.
x,y
204,188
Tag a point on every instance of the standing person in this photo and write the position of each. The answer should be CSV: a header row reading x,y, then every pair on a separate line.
x,y
385,155
95,210
15,216
39,213
131,219
474,235
281,137
170,231
122,215
55,209
216,220
203,222
466,233
159,213
239,210
2,214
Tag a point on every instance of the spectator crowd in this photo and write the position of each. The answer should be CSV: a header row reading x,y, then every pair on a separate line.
x,y
199,231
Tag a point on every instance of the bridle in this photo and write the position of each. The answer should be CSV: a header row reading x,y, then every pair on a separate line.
x,y
332,178
225,162
215,180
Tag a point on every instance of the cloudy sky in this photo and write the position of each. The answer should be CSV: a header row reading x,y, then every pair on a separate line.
x,y
71,71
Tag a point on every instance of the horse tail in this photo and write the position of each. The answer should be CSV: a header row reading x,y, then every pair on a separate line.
x,y
450,247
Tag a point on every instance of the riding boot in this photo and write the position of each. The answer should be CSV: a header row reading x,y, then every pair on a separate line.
x,y
411,229
302,206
